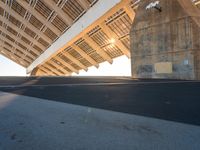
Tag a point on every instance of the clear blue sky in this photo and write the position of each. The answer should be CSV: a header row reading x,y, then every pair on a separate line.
x,y
120,67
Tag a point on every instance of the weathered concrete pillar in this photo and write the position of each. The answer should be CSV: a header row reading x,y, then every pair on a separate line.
x,y
165,40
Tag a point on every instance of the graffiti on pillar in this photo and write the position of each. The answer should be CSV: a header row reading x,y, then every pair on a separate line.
x,y
155,5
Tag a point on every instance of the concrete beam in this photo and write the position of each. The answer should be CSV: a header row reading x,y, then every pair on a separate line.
x,y
42,72
5,31
84,3
22,32
10,55
18,47
92,15
7,55
130,12
53,69
197,3
66,64
59,11
98,49
112,35
47,71
26,23
74,60
59,67
15,52
39,16
84,55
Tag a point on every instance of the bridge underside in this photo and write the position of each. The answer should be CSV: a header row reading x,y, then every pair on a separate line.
x,y
58,37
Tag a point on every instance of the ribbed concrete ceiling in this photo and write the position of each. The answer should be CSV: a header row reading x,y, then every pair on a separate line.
x,y
29,27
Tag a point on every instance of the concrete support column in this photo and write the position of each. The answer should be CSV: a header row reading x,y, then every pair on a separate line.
x,y
165,40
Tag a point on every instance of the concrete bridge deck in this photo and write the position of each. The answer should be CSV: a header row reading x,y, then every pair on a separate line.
x,y
99,113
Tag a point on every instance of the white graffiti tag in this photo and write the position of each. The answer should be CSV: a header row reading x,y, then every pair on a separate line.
x,y
152,5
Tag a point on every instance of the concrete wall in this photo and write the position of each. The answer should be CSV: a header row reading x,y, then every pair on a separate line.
x,y
166,44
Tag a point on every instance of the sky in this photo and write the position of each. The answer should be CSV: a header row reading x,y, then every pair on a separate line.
x,y
121,66
10,68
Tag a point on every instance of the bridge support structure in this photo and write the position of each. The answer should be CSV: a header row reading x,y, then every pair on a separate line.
x,y
165,40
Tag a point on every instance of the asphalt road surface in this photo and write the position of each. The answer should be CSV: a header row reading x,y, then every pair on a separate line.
x,y
172,100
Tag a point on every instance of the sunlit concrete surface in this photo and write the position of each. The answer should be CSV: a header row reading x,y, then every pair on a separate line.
x,y
32,123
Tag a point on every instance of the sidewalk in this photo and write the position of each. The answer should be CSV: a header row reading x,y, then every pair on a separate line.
x,y
35,124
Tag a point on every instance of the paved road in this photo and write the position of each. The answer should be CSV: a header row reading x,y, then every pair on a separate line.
x,y
164,99
99,113
72,80
28,123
